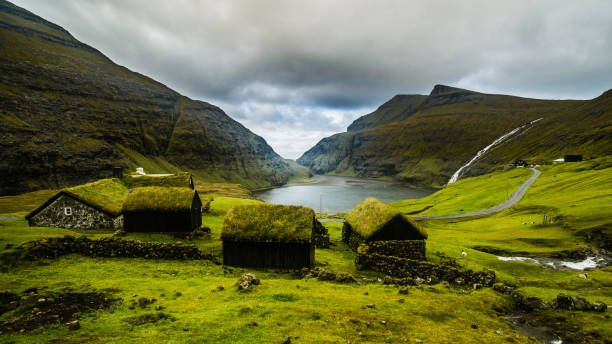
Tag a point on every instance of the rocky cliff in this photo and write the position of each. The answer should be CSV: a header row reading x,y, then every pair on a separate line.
x,y
68,114
423,140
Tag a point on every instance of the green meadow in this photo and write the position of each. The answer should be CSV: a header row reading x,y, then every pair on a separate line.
x,y
312,311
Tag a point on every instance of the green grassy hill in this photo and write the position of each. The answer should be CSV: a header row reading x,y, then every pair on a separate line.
x,y
68,114
319,311
424,139
575,197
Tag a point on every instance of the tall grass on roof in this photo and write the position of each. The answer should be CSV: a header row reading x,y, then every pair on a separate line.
x,y
106,194
369,216
157,198
175,180
268,223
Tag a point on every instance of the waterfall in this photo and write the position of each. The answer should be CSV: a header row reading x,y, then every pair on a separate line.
x,y
481,152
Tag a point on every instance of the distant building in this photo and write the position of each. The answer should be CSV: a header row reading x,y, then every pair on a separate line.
x,y
162,209
90,206
521,163
568,158
140,179
372,221
269,236
572,158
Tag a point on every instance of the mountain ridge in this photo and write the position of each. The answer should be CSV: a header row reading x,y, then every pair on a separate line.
x,y
425,144
69,114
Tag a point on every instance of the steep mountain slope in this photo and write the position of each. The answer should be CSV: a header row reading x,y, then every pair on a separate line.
x,y
424,139
583,128
68,114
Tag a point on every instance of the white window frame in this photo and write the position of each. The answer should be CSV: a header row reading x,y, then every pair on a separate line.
x,y
68,211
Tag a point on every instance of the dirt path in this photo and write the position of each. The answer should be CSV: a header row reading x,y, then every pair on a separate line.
x,y
516,196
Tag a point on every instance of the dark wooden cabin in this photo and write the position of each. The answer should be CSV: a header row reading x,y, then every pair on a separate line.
x,y
572,158
269,236
162,209
89,206
373,221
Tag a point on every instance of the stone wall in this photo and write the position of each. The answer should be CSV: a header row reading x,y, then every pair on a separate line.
x,y
83,216
321,236
106,247
411,249
427,272
350,237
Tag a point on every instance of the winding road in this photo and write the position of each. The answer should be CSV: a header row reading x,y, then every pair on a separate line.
x,y
516,196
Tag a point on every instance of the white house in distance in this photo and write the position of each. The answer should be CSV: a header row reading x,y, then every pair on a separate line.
x,y
568,158
558,161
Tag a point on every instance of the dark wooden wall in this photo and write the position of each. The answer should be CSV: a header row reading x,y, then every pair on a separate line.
x,y
268,255
158,221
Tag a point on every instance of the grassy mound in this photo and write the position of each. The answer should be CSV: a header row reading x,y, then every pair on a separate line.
x,y
371,215
175,180
268,223
156,198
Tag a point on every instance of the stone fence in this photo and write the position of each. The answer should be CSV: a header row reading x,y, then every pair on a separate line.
x,y
411,249
106,247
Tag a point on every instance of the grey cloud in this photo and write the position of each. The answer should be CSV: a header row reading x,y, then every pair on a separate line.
x,y
294,64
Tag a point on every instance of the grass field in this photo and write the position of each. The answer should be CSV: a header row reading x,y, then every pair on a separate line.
x,y
467,195
327,312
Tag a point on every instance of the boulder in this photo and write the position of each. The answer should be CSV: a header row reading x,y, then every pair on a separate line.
x,y
247,280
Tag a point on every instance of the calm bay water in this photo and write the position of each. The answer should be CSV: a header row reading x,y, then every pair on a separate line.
x,y
334,194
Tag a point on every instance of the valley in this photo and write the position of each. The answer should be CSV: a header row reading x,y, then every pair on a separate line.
x,y
286,305
131,213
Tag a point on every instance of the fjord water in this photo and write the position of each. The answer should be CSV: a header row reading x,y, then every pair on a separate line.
x,y
335,194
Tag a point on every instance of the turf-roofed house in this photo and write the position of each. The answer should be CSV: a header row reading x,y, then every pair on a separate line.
x,y
269,236
162,209
374,223
88,206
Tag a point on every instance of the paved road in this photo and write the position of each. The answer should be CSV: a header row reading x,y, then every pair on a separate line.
x,y
7,217
516,196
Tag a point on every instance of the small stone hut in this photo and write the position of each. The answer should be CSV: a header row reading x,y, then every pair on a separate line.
x,y
88,206
372,221
269,236
162,209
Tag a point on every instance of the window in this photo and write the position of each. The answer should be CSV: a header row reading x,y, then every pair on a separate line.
x,y
67,211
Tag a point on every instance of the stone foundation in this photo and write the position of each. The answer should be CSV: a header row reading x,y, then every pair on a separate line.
x,y
428,272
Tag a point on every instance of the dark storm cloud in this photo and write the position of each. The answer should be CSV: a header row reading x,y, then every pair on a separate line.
x,y
296,71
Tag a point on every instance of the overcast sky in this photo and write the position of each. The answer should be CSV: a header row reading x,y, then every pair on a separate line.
x,y
297,71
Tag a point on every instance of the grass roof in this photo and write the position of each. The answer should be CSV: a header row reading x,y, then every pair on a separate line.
x,y
158,198
268,223
175,180
371,215
105,194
